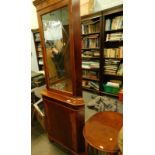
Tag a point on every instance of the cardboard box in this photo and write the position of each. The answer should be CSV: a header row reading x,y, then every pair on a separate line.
x,y
84,7
39,113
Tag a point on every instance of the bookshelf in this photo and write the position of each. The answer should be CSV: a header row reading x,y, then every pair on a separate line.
x,y
38,48
102,51
112,69
91,26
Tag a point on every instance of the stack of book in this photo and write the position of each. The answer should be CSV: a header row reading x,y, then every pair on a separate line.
x,y
90,27
90,74
111,66
120,70
117,23
87,54
90,54
113,52
90,65
90,41
39,48
114,36
40,55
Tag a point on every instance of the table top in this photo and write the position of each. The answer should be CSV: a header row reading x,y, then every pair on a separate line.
x,y
101,131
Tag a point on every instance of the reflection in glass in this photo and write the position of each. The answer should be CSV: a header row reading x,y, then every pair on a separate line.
x,y
56,35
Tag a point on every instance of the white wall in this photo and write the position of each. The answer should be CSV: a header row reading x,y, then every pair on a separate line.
x,y
104,4
34,20
34,25
34,64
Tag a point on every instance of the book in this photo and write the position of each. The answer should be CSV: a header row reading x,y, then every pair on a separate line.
x,y
120,70
117,23
108,24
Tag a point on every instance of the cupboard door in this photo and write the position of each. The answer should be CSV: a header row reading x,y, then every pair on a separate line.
x,y
64,124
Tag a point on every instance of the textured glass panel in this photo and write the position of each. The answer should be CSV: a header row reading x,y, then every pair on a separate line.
x,y
56,35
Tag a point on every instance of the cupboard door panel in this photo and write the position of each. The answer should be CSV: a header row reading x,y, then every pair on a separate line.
x,y
64,124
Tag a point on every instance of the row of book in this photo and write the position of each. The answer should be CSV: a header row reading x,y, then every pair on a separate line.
x,y
90,54
90,64
91,27
39,54
90,42
39,48
114,23
120,70
114,70
90,74
112,67
114,36
37,37
113,52
90,84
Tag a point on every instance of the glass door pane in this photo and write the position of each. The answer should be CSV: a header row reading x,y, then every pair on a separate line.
x,y
57,42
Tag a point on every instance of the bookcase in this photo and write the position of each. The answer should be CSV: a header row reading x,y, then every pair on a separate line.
x,y
102,51
91,48
37,42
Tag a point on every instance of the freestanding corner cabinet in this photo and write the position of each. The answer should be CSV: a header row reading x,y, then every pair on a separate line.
x,y
59,26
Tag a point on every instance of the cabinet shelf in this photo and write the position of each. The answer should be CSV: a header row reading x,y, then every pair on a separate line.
x,y
113,44
90,79
93,69
114,76
114,41
90,57
114,58
109,94
37,41
97,48
113,31
90,33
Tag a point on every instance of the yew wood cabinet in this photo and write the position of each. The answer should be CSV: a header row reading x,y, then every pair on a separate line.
x,y
60,30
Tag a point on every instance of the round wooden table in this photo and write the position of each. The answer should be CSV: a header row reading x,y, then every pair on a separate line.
x,y
101,132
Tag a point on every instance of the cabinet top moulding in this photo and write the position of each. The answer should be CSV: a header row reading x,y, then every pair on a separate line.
x,y
113,31
42,4
90,33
